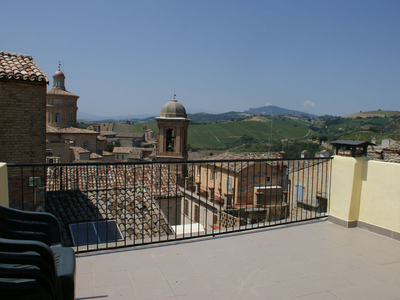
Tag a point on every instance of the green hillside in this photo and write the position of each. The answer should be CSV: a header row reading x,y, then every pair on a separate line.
x,y
233,134
374,113
227,135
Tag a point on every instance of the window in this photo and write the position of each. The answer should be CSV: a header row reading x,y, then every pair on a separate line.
x,y
196,213
70,119
268,179
116,156
198,171
228,199
122,156
211,193
299,192
104,231
229,184
198,188
170,140
57,118
187,207
58,83
215,219
212,175
85,145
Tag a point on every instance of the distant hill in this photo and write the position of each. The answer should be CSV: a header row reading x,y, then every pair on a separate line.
x,y
374,113
201,117
82,116
276,110
224,117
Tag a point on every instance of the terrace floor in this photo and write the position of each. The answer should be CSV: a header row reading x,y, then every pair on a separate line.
x,y
316,260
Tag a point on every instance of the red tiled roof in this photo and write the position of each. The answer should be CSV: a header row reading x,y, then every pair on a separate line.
x,y
155,178
21,67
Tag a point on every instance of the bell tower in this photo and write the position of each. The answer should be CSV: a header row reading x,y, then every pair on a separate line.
x,y
61,105
172,132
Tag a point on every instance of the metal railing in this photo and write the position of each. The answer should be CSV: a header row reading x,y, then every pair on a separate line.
x,y
109,205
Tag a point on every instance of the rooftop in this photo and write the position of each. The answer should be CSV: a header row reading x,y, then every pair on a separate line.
x,y
316,260
239,166
52,129
20,66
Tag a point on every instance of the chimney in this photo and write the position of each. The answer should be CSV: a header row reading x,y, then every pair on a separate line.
x,y
282,153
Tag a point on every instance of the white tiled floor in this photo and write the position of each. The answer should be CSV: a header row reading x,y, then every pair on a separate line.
x,y
317,260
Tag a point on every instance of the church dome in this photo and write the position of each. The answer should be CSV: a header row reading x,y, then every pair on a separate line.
x,y
173,109
58,73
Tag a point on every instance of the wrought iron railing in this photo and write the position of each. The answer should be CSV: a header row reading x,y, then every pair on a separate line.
x,y
109,205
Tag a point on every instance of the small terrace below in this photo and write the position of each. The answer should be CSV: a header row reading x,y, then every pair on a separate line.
x,y
315,260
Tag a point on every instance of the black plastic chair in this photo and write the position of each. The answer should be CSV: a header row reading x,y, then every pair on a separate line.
x,y
27,270
39,235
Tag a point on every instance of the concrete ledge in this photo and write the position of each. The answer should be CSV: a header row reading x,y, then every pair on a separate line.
x,y
375,229
343,223
379,230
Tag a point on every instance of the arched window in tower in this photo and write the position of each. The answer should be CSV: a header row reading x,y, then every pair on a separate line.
x,y
170,140
70,119
57,119
58,83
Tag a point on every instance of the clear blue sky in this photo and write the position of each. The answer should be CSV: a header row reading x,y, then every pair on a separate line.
x,y
128,57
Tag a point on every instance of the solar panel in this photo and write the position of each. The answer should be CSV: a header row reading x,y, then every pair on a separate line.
x,y
104,231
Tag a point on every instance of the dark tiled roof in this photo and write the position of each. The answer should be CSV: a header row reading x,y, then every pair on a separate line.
x,y
20,66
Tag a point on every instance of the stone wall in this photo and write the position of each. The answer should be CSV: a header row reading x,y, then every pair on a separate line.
x,y
22,121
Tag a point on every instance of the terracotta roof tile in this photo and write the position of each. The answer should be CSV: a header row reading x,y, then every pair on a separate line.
x,y
20,66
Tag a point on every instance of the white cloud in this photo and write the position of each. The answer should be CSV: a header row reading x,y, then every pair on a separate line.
x,y
268,104
308,103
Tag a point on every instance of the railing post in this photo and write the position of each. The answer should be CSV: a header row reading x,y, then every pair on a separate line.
x,y
4,200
